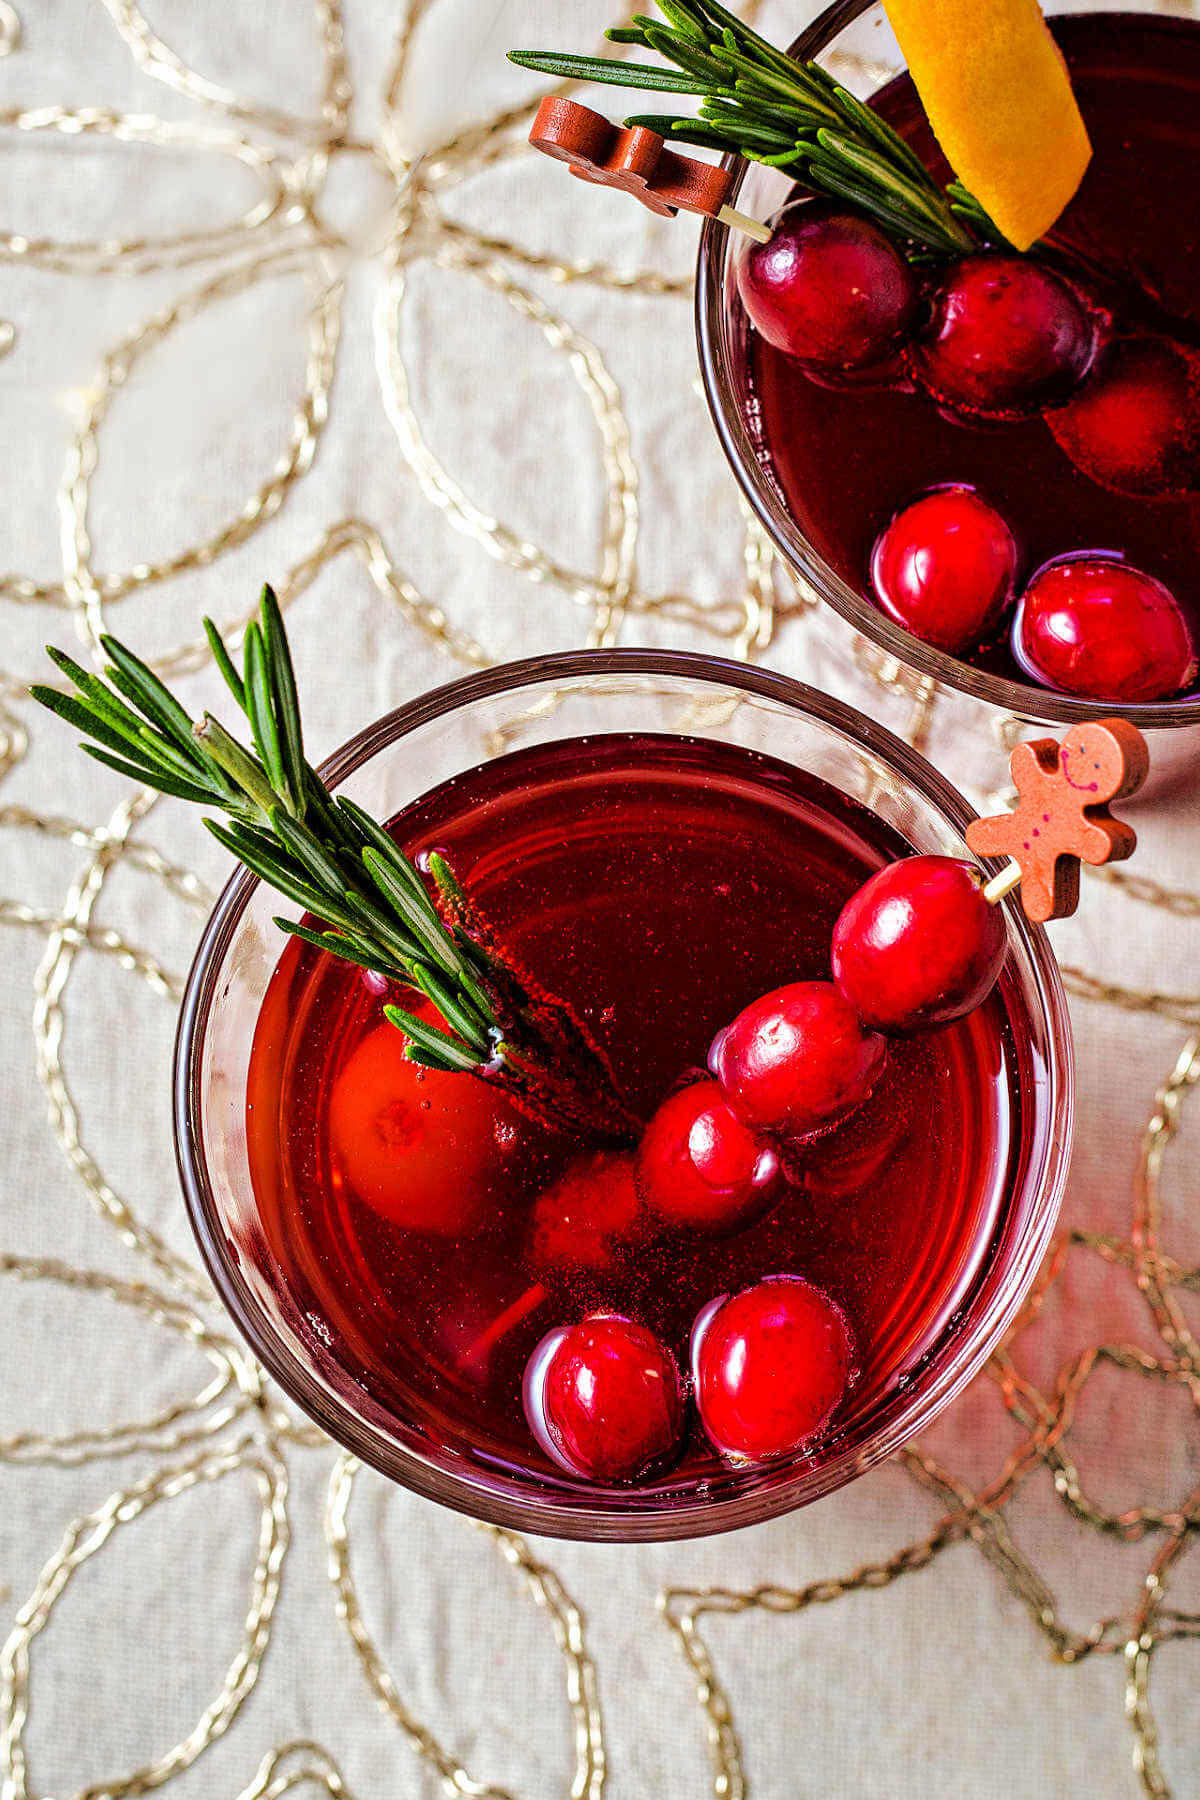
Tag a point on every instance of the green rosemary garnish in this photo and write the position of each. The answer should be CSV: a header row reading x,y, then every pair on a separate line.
x,y
326,854
763,105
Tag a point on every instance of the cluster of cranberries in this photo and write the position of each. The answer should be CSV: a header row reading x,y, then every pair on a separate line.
x,y
998,336
916,946
1089,624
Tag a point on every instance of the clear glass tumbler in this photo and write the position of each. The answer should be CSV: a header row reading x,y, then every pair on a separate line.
x,y
433,739
853,40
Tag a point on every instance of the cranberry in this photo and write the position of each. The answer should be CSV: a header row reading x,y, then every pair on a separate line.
x,y
1006,337
797,1060
918,944
770,1366
421,1147
945,567
829,288
1094,626
1135,424
590,1213
604,1398
699,1168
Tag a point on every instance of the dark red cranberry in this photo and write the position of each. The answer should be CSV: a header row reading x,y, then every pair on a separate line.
x,y
770,1366
829,288
797,1060
945,567
1134,425
918,944
700,1169
1094,626
586,1217
604,1398
1006,337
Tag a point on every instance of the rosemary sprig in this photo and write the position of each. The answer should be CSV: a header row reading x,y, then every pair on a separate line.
x,y
327,855
767,107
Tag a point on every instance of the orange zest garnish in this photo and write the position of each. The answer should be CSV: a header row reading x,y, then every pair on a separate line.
x,y
998,96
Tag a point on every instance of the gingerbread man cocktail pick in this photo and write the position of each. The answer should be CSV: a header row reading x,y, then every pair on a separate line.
x,y
1061,818
637,161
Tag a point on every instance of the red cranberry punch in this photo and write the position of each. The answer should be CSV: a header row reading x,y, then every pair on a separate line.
x,y
632,1134
995,477
947,322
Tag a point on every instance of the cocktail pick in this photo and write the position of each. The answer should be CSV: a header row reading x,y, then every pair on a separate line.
x,y
1061,818
636,160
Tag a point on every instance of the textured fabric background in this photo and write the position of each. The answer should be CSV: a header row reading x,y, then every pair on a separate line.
x,y
552,494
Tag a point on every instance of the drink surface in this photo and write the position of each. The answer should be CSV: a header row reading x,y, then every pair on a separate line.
x,y
657,885
846,459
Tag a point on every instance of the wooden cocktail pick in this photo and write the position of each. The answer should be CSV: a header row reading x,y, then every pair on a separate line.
x,y
637,160
1062,817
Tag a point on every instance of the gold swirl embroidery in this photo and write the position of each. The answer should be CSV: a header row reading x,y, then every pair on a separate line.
x,y
548,1593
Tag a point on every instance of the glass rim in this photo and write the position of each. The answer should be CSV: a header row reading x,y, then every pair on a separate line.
x,y
468,1491
1025,699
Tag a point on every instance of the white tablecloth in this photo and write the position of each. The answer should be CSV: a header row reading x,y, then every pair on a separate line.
x,y
220,400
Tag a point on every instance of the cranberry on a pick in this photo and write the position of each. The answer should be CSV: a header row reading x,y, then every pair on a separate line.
x,y
700,1169
797,1060
770,1366
1134,425
1006,337
1094,626
829,288
918,944
604,1398
588,1215
945,567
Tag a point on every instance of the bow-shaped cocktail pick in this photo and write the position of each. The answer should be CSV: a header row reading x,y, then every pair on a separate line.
x,y
637,160
1062,817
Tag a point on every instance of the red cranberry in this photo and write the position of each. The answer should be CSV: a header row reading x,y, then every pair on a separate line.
x,y
918,944
1006,337
700,1169
1094,626
945,567
797,1060
421,1147
604,1398
1135,423
829,288
588,1215
770,1366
